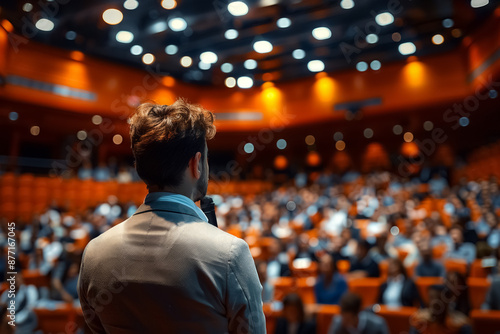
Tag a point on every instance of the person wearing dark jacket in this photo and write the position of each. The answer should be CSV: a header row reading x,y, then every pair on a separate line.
x,y
399,290
363,265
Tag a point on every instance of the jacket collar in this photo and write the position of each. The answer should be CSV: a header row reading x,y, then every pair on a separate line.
x,y
169,202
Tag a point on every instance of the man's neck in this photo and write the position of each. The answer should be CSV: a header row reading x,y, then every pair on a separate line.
x,y
175,190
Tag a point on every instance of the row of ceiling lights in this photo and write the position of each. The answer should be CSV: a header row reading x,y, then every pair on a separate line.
x,y
238,8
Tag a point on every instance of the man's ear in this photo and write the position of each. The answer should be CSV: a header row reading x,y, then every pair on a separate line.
x,y
195,166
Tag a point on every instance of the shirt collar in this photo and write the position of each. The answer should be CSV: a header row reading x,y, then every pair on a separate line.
x,y
161,196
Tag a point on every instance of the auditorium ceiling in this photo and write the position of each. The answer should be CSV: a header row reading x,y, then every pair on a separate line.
x,y
207,42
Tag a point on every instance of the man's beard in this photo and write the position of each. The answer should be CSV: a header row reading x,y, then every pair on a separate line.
x,y
201,187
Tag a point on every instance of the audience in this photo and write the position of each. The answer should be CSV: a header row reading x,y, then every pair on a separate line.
x,y
330,285
398,290
492,301
362,264
353,320
294,320
459,248
428,267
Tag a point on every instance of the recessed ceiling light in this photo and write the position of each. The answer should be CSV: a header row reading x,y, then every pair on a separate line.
x,y
315,66
284,22
171,49
375,65
237,8
322,33
124,36
231,34
136,50
230,82
281,144
479,3
148,58
71,35
437,39
131,4
112,16
362,66
44,25
250,64
245,82
186,61
117,139
407,48
384,19
347,4
262,46
226,68
169,4
177,24
208,57
298,54
27,7
372,38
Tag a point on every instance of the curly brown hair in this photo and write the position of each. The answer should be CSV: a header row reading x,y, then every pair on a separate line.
x,y
165,137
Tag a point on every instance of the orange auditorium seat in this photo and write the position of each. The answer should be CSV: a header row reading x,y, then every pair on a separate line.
x,y
383,267
282,287
458,265
477,270
34,277
478,288
60,320
398,319
325,316
423,284
438,251
485,322
343,266
367,288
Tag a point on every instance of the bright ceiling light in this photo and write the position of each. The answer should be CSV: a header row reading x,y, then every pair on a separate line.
x,y
284,22
136,50
171,49
237,8
230,82
208,57
315,66
479,3
131,4
226,68
44,25
169,4
347,4
27,7
362,66
231,34
407,48
250,64
177,24
203,66
245,82
112,16
372,38
124,36
186,61
384,19
375,65
262,46
437,39
298,54
322,33
148,58
281,144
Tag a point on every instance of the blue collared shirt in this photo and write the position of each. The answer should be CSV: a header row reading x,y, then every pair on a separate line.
x,y
163,196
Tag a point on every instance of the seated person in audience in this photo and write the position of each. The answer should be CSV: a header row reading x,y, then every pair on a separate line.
x,y
362,265
353,320
460,249
267,288
65,278
294,320
428,267
330,285
438,318
457,292
303,250
382,250
278,261
492,300
399,290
